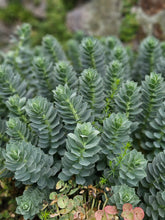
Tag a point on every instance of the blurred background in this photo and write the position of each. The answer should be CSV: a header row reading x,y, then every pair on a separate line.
x,y
131,20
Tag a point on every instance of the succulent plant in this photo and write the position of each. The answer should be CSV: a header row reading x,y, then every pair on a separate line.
x,y
82,153
116,135
132,168
30,203
69,103
91,88
123,194
22,158
84,122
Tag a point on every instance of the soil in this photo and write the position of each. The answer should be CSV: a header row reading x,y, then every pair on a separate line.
x,y
152,6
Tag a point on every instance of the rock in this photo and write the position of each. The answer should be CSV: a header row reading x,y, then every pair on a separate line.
x,y
3,3
5,33
151,24
151,7
98,17
38,10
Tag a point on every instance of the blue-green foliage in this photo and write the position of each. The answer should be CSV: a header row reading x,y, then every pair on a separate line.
x,y
11,83
115,135
84,122
52,49
119,53
156,138
22,159
128,100
47,124
71,107
18,130
132,168
74,54
64,74
153,91
92,55
43,70
148,57
113,78
123,194
82,152
30,203
91,88
109,44
152,188
16,105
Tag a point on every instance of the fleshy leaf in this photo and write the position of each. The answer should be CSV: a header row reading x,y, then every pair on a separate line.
x,y
63,201
99,214
127,207
112,210
138,213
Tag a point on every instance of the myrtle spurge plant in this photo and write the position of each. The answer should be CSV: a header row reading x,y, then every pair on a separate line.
x,y
92,115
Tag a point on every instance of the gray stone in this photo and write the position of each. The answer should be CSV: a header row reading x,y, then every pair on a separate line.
x,y
5,33
148,22
38,10
98,17
3,3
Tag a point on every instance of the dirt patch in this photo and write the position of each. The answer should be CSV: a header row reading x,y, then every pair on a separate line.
x,y
152,6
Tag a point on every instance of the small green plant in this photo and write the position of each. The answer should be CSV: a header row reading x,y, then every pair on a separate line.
x,y
89,126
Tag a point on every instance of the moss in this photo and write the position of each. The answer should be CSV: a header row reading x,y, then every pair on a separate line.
x,y
15,12
129,28
53,24
129,25
127,5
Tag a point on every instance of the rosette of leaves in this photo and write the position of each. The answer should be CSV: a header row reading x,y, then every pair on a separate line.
x,y
132,168
154,205
11,83
113,76
153,91
112,80
91,88
30,203
82,153
3,137
162,46
16,106
154,181
22,35
123,194
155,134
115,135
127,100
21,57
43,70
74,55
92,55
119,53
4,173
109,44
64,74
160,66
52,49
3,109
148,56
22,63
47,124
30,164
18,130
71,107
